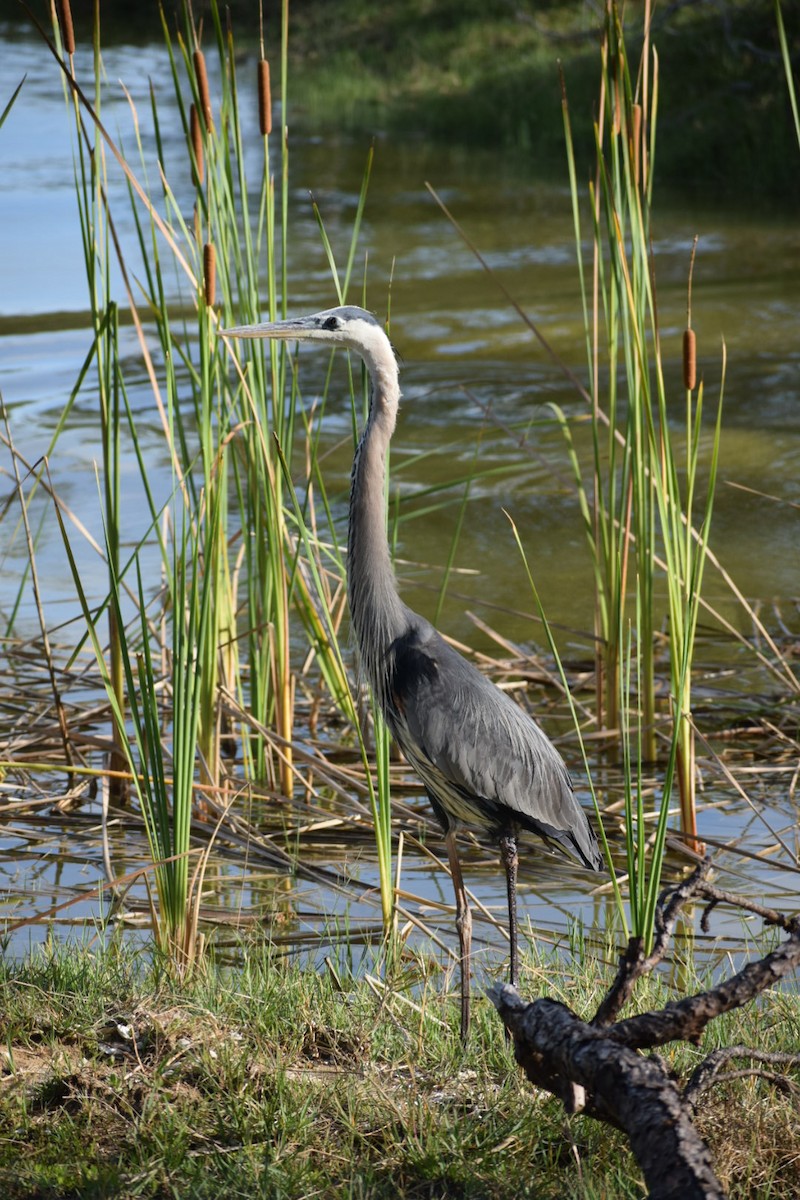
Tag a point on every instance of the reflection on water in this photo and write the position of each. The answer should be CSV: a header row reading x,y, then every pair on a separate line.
x,y
475,382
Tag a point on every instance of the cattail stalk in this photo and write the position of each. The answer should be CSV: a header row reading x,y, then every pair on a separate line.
x,y
209,273
264,98
204,95
689,360
65,24
196,135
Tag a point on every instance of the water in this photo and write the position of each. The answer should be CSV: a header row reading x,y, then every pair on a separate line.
x,y
465,351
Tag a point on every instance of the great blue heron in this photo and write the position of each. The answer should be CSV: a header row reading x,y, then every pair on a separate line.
x,y
484,762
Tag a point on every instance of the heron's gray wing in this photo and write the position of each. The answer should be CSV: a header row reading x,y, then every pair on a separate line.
x,y
480,755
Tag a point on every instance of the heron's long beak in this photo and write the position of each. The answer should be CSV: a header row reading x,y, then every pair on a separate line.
x,y
295,327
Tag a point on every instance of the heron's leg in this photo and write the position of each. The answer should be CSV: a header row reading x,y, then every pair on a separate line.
x,y
463,925
508,852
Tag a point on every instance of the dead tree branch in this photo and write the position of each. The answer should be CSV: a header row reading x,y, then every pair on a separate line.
x,y
634,963
710,1071
598,1068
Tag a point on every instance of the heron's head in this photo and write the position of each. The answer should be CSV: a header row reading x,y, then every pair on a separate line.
x,y
348,326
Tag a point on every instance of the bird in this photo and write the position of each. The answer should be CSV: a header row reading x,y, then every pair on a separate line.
x,y
484,762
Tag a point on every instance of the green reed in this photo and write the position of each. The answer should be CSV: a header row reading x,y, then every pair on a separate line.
x,y
643,863
91,189
787,67
10,103
641,514
237,436
164,697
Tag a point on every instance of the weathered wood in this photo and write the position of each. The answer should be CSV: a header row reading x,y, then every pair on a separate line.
x,y
584,1067
598,1069
685,1020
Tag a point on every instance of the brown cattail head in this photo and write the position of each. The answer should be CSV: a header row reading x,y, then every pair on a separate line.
x,y
209,274
65,23
636,140
689,359
264,98
196,135
201,75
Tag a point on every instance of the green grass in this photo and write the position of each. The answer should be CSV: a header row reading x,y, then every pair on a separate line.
x,y
486,73
264,1080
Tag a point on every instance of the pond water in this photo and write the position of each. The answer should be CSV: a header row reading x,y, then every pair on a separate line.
x,y
464,350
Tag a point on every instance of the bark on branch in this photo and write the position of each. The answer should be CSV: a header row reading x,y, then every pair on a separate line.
x,y
597,1068
588,1071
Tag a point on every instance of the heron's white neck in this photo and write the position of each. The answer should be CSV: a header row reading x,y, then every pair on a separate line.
x,y
376,611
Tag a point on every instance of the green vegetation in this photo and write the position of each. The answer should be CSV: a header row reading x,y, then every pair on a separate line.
x,y
640,509
486,73
268,1081
251,565
216,639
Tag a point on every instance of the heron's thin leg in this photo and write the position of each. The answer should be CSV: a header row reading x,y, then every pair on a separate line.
x,y
508,852
463,925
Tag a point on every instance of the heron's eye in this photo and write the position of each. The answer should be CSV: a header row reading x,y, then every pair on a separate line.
x,y
331,323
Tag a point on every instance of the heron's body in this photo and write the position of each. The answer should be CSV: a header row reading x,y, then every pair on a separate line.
x,y
485,763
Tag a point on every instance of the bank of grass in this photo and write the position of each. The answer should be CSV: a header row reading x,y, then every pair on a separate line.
x,y
485,72
267,1080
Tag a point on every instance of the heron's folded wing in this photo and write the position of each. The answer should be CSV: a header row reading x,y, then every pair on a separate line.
x,y
483,744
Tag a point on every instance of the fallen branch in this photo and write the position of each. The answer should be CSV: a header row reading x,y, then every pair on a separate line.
x,y
591,1073
596,1068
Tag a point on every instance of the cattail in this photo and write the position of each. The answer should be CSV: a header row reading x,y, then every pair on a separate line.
x,y
203,93
636,139
65,23
196,135
264,98
689,359
209,273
